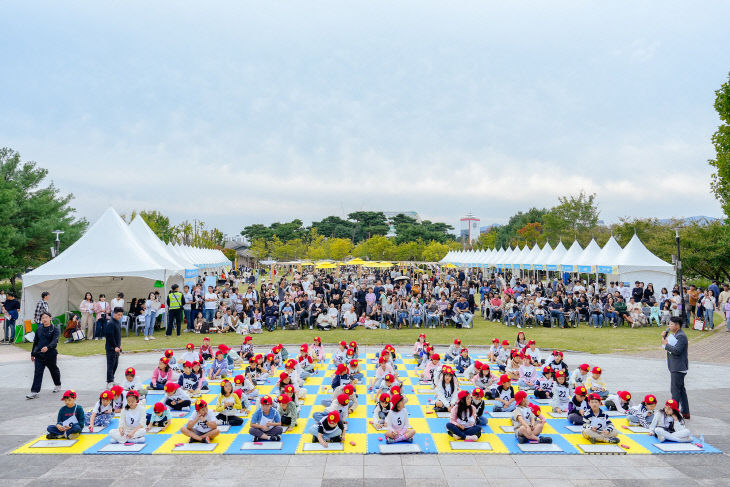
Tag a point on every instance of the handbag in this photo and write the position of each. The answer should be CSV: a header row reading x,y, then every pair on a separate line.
x,y
78,335
698,324
29,337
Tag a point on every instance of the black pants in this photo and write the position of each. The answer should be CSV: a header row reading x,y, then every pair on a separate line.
x,y
679,393
231,420
112,361
179,406
174,319
43,360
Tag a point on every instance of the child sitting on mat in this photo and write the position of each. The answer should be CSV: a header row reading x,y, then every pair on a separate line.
x,y
69,421
484,379
161,375
473,370
513,365
453,351
463,361
287,410
205,352
340,404
118,401
477,400
341,377
200,372
396,422
246,387
170,354
131,383
527,426
418,347
159,418
246,351
598,426
578,406
132,422
561,392
494,350
385,386
382,408
203,427
356,373
544,384
339,356
557,363
463,420
447,390
317,350
229,404
643,414
621,402
668,425
189,355
382,370
175,397
329,429
534,352
188,381
431,370
579,376
266,422
503,356
102,413
528,374
596,385
219,367
504,396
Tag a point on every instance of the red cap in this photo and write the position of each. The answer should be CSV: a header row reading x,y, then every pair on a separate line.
x,y
505,343
447,370
389,378
385,354
422,335
171,387
69,393
200,404
318,339
580,391
496,340
520,396
457,341
464,350
188,363
267,400
585,367
535,409
478,392
462,394
291,363
596,370
650,399
283,399
133,393
477,364
165,360
341,369
557,353
435,356
348,389
384,397
270,356
394,390
343,399
343,343
283,376
382,360
158,407
503,379
531,342
547,370
353,344
206,339
333,417
594,397
350,352
219,352
559,373
624,395
195,362
353,363
130,371
247,339
239,393
190,346
396,398
485,366
672,404
169,352
106,395
304,347
289,389
239,379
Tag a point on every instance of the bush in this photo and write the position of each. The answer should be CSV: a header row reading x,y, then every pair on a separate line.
x,y
18,291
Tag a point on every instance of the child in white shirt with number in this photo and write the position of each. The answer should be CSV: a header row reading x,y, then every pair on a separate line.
x,y
397,422
132,422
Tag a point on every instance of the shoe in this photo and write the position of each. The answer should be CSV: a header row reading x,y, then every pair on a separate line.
x,y
450,434
613,440
592,440
471,438
521,439
660,437
73,436
57,388
275,438
32,395
546,439
51,436
146,339
685,415
152,338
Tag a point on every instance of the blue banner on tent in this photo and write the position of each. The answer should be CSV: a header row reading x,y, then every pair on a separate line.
x,y
567,268
605,269
588,269
191,273
537,267
553,267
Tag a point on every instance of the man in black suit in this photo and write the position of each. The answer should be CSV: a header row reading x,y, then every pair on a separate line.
x,y
674,341
113,333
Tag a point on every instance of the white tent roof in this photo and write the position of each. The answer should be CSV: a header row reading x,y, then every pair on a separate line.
x,y
108,248
635,256
498,258
606,258
541,259
520,260
506,257
556,257
531,256
586,261
570,258
154,246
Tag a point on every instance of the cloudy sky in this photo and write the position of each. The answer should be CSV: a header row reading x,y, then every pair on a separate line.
x,y
253,112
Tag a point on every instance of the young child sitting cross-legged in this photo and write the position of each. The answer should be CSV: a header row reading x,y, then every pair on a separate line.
x,y
159,417
203,427
266,422
103,412
228,405
463,420
643,414
132,422
668,425
527,425
396,422
598,426
287,410
329,429
70,419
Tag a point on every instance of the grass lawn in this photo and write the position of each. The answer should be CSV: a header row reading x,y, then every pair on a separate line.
x,y
584,339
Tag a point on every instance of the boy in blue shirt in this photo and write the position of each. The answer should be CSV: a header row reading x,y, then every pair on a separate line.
x,y
266,422
70,420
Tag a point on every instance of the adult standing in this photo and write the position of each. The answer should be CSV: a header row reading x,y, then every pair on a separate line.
x,y
87,315
188,307
674,341
113,347
151,308
175,302
10,310
211,304
44,354
41,307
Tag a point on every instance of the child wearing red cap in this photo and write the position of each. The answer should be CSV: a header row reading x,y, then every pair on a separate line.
x,y
527,425
596,385
477,400
340,354
447,390
246,351
70,419
597,426
246,388
473,370
161,375
579,376
270,364
520,341
189,354
287,410
384,386
396,422
504,356
266,422
203,427
200,373
355,371
317,350
219,367
118,400
382,408
102,413
175,397
558,363
229,404
418,348
131,383
668,424
205,352
463,361
534,353
494,350
643,414
432,369
159,417
561,393
341,404
504,395
544,384
355,350
453,351
188,380
578,406
484,379
528,374
132,422
328,429
621,402
383,369
463,420
513,365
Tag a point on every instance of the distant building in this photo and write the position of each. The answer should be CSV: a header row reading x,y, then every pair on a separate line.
x,y
469,228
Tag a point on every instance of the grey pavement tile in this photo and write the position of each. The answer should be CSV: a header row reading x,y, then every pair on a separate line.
x,y
646,460
386,482
342,471
415,482
301,483
463,472
650,483
547,482
347,460
382,460
90,482
471,483
450,460
592,483
549,460
701,471
419,460
502,472
501,460
383,472
302,472
307,460
610,460
423,472
662,473
574,472
342,483
619,473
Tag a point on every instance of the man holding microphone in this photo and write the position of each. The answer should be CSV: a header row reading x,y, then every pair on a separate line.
x,y
674,341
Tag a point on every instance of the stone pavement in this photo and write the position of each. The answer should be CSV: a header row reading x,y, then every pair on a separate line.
x,y
22,420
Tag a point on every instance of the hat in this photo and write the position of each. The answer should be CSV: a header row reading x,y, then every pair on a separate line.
x,y
270,356
238,379
557,353
505,343
289,389
117,390
672,404
547,370
291,363
130,371
464,350
462,394
385,353
343,399
169,352
206,339
594,397
239,393
384,397
224,382
526,355
132,393
195,362
171,387
283,376
382,360
585,367
485,366
165,360
350,352
535,409
496,340
200,404
457,341
650,399
304,347
396,398
348,389
422,335
353,363
435,356
158,407
283,398
188,363
219,352
477,364
389,378
624,395
106,395
447,370
246,339
190,346
478,392
318,339
531,342
559,373
69,393
520,396
353,344
343,343
580,391
333,417
503,379
596,370
341,369
267,400
394,390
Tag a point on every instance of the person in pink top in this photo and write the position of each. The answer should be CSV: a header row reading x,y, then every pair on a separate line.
x,y
161,375
431,371
317,350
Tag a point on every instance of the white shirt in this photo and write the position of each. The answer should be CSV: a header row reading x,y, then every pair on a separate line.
x,y
211,304
202,425
397,421
133,417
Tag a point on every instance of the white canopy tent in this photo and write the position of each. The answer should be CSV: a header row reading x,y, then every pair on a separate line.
x,y
606,258
156,247
568,262
636,263
540,262
556,258
107,259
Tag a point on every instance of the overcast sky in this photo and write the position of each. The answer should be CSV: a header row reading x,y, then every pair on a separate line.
x,y
253,112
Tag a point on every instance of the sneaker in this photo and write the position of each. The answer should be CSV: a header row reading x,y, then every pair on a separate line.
x,y
32,395
546,439
275,438
592,440
57,388
450,434
51,436
73,436
521,439
146,339
471,438
613,440
152,338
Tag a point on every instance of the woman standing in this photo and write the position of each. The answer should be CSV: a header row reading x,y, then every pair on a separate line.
x,y
87,315
152,305
102,310
708,303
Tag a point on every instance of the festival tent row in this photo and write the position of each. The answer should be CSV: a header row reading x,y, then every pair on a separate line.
x,y
114,257
633,263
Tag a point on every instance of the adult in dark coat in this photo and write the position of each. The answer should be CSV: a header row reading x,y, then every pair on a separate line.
x,y
44,354
113,347
674,341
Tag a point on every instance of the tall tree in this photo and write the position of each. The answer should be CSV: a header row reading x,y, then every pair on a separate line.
x,y
334,227
507,234
721,141
572,216
30,212
368,224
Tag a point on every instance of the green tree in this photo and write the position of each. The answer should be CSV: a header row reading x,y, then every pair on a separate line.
x,y
486,240
507,234
531,234
339,248
368,224
259,249
257,231
334,227
375,248
721,140
30,212
435,251
574,215
158,223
